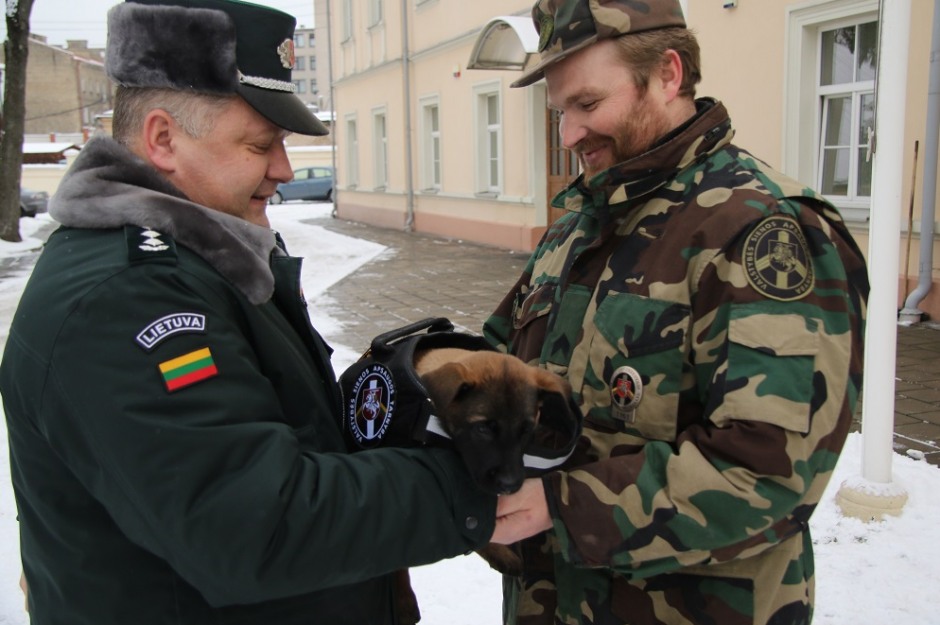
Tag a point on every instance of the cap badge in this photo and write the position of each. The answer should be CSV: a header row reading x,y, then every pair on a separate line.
x,y
286,52
546,29
626,391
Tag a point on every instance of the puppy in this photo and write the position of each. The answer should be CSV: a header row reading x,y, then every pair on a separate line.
x,y
489,404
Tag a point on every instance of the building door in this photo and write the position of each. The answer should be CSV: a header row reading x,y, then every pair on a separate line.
x,y
562,163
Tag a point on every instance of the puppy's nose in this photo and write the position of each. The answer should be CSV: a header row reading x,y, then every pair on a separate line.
x,y
508,485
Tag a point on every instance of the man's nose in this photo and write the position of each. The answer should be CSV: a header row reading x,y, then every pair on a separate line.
x,y
571,131
279,168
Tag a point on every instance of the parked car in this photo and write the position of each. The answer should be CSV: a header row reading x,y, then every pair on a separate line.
x,y
32,202
309,183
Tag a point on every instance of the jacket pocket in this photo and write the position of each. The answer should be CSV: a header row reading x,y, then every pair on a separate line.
x,y
548,329
651,336
771,360
712,599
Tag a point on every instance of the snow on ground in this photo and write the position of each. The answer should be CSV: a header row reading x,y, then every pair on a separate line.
x,y
866,573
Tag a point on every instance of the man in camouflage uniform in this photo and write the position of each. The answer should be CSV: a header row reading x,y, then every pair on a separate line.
x,y
708,313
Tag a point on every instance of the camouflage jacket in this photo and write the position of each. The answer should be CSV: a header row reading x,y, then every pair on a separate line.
x,y
737,298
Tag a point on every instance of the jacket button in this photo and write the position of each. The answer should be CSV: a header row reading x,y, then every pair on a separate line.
x,y
472,522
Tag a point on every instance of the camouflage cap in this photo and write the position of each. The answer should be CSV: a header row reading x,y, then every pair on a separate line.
x,y
566,26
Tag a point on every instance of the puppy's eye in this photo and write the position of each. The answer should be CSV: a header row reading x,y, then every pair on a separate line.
x,y
463,391
484,428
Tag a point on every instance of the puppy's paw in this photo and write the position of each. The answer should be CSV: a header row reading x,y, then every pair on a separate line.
x,y
502,558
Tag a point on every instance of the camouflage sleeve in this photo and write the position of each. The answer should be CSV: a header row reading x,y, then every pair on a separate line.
x,y
768,387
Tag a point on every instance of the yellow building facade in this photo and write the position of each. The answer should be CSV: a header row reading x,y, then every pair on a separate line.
x,y
424,142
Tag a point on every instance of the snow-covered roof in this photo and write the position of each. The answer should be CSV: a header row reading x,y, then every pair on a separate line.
x,y
53,147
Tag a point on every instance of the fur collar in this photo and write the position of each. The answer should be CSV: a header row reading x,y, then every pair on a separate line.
x,y
109,186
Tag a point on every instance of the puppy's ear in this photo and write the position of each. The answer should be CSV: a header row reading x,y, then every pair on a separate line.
x,y
554,394
446,384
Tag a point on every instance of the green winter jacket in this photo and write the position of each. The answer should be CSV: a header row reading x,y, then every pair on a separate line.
x,y
174,427
708,313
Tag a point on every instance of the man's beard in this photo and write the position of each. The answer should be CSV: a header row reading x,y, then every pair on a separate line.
x,y
638,131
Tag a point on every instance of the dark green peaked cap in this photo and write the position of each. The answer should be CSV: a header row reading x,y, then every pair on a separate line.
x,y
210,46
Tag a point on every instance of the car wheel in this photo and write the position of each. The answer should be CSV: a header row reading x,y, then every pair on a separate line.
x,y
276,199
25,213
329,195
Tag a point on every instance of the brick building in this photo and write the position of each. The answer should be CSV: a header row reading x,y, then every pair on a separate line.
x,y
65,87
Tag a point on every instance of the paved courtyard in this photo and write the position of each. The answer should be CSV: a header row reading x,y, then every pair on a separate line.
x,y
426,276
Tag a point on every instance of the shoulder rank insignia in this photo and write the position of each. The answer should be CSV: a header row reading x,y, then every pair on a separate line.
x,y
144,244
777,261
188,369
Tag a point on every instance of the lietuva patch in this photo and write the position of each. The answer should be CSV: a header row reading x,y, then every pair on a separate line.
x,y
371,405
165,327
777,260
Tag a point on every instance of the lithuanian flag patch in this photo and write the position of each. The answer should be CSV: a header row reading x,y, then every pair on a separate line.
x,y
188,369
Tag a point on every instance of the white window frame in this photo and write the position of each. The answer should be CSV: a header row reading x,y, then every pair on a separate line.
x,y
379,148
352,151
376,12
346,21
430,138
483,132
802,113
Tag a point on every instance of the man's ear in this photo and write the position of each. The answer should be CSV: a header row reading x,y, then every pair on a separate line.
x,y
670,73
158,140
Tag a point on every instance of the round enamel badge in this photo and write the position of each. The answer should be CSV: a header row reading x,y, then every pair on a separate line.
x,y
777,260
371,405
626,391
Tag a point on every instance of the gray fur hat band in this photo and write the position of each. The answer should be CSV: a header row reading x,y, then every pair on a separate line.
x,y
172,47
210,46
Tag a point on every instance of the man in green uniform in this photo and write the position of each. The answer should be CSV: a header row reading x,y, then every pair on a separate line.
x,y
708,313
174,423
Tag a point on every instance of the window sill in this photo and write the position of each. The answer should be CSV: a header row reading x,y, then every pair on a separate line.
x,y
489,195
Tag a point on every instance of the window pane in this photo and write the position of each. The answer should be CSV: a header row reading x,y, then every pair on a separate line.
x,y
492,110
835,172
867,51
494,144
867,117
838,56
435,122
864,173
494,173
839,121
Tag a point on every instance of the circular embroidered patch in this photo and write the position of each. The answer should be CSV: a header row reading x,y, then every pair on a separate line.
x,y
777,260
546,28
371,405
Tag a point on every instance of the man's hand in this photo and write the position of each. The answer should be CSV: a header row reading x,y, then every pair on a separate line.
x,y
522,514
25,590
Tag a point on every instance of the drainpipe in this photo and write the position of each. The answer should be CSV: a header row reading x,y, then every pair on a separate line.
x,y
929,194
873,494
329,60
405,62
